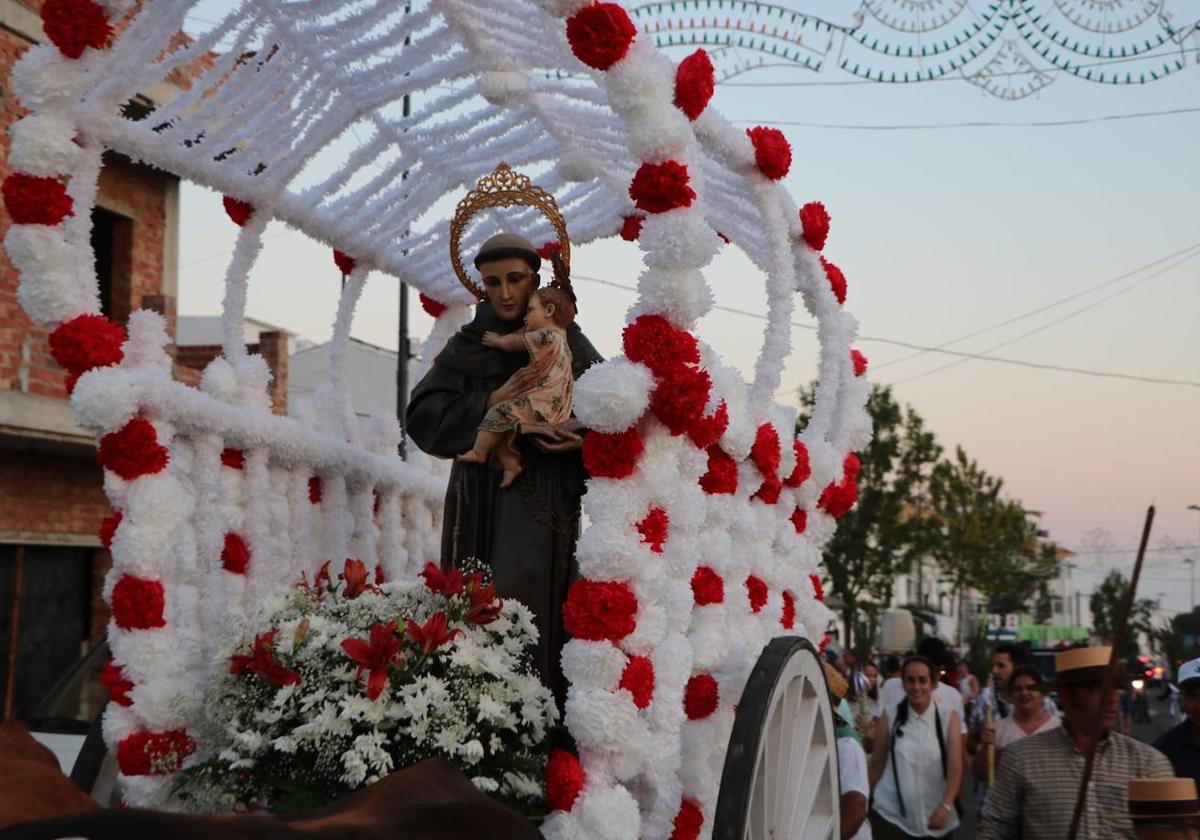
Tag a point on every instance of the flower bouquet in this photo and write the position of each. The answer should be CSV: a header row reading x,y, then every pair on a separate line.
x,y
352,680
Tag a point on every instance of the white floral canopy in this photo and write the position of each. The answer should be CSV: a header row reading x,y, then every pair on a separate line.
x,y
359,122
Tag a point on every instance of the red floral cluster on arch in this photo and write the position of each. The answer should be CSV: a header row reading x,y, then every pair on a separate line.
x,y
859,361
75,25
680,397
787,617
837,280
133,450
235,556
154,753
138,603
654,528
765,454
803,468
31,200
707,430
631,227
112,678
839,496
238,211
722,475
638,680
701,697
818,587
549,249
772,152
600,610
800,520
432,307
756,593
108,529
86,342
314,490
655,342
688,821
707,586
233,458
814,219
564,780
611,455
344,262
694,84
659,187
600,34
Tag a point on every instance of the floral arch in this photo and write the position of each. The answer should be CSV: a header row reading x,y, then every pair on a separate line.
x,y
706,515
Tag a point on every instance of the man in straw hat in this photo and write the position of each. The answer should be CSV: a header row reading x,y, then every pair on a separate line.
x,y
1038,779
1162,809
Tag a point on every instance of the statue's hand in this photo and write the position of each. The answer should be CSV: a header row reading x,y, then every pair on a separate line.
x,y
563,437
491,339
517,384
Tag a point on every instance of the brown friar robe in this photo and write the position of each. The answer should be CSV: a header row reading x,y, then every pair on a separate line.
x,y
526,532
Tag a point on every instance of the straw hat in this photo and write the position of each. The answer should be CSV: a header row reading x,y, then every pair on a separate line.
x,y
1162,799
1081,664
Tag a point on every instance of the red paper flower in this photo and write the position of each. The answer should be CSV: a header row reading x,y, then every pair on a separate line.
x,y
484,607
314,490
611,456
153,753
596,610
800,520
768,491
431,306
380,575
631,227
262,662
825,640
238,211
549,249
30,200
707,586
654,529
818,587
787,617
722,476
815,221
344,261
235,556
354,573
701,697
688,821
87,342
233,458
133,450
851,466
679,400
564,780
444,583
138,603
654,342
694,84
112,677
376,654
638,680
706,431
600,34
431,635
766,450
860,362
840,496
772,152
837,280
756,592
75,25
108,529
803,469
659,187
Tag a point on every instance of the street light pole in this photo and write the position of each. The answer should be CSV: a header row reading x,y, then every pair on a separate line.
x,y
1192,573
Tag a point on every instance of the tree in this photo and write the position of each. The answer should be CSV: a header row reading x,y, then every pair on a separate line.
x,y
878,539
1105,604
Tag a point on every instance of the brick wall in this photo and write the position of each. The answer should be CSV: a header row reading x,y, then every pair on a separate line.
x,y
50,493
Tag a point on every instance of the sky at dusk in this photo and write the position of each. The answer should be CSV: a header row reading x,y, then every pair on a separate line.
x,y
941,232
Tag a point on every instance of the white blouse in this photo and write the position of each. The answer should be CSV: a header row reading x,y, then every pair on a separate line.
x,y
919,769
1009,731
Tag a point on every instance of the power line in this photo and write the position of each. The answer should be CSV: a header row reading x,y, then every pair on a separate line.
x,y
912,346
1042,308
1030,124
1057,321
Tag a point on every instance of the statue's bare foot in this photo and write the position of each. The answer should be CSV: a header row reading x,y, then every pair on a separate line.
x,y
510,475
473,456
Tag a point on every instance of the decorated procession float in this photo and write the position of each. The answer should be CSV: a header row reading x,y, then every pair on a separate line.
x,y
283,627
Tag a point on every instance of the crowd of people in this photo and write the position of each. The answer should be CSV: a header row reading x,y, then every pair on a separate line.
x,y
914,731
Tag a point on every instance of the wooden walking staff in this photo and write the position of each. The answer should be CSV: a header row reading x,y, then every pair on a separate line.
x,y
1106,684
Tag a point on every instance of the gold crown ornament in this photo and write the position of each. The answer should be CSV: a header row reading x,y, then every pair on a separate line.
x,y
505,187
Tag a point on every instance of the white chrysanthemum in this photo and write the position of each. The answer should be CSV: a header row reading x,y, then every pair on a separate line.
x,y
611,396
43,145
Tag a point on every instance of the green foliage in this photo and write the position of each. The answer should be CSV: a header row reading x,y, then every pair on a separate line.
x,y
1106,603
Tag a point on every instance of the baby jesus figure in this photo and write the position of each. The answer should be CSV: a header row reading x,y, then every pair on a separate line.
x,y
550,312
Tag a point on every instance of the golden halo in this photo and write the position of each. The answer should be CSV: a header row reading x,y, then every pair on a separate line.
x,y
506,188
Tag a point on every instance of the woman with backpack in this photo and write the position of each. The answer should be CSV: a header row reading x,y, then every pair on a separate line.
x,y
916,765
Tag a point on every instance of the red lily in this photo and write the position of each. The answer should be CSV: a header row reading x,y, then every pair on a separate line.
x,y
375,655
448,584
432,634
484,609
261,660
355,575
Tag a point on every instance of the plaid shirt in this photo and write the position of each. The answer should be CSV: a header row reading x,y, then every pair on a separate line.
x,y
1037,782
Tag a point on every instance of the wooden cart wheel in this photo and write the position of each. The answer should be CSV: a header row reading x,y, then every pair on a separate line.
x,y
780,780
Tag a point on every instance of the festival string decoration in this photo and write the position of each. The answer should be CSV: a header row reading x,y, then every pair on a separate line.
x,y
707,513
